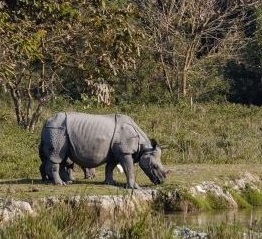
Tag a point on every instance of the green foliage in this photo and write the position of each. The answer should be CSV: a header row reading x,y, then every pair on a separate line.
x,y
252,196
18,150
80,221
198,134
216,202
58,222
225,230
244,75
174,198
66,47
240,200
259,28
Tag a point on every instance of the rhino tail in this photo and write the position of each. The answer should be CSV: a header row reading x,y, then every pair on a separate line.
x,y
41,151
42,169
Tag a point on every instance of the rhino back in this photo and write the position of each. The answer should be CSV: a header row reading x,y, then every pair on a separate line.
x,y
57,121
124,119
90,137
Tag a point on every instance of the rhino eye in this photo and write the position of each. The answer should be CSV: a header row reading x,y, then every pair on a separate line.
x,y
155,166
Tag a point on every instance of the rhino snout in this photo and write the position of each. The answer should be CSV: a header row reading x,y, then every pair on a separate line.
x,y
158,177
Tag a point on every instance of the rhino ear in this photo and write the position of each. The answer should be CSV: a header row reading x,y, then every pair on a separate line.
x,y
153,143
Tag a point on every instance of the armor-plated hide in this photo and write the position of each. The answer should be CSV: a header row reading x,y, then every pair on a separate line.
x,y
91,140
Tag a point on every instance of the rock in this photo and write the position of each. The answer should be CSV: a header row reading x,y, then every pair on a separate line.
x,y
9,209
247,180
206,187
188,233
105,233
109,204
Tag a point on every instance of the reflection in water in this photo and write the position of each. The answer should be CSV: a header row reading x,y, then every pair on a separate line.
x,y
243,217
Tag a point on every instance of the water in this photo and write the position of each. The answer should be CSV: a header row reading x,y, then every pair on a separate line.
x,y
242,217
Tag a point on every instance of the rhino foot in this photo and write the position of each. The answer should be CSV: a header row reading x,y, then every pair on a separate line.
x,y
109,182
134,186
60,183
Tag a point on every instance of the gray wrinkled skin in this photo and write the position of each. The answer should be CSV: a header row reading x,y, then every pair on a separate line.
x,y
92,140
150,162
65,171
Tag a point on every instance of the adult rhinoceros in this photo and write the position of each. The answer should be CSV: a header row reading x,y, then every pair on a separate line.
x,y
92,140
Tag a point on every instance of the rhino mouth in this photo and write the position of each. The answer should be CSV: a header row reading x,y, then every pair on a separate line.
x,y
156,177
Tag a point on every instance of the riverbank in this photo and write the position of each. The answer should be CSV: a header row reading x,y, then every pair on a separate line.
x,y
180,176
188,188
77,210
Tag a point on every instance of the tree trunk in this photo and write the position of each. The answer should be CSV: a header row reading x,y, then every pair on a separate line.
x,y
18,105
184,84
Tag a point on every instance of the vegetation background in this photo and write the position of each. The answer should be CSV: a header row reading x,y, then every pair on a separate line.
x,y
120,53
188,72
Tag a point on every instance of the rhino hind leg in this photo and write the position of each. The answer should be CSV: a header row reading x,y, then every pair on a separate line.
x,y
43,173
53,171
55,149
56,169
42,169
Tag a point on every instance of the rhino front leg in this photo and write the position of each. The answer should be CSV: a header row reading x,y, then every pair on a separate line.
x,y
109,173
52,170
128,167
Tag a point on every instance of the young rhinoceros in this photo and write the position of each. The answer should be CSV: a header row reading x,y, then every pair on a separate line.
x,y
66,169
93,140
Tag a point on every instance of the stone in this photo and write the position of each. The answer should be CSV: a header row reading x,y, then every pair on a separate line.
x,y
10,208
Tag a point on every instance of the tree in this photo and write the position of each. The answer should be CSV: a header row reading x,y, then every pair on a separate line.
x,y
244,75
25,69
187,34
72,48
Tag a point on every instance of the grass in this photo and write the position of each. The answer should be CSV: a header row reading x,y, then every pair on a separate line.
x,y
67,221
80,221
204,142
226,230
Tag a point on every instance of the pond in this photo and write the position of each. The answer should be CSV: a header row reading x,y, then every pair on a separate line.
x,y
244,217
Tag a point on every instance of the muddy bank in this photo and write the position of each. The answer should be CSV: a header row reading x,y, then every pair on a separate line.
x,y
236,193
104,205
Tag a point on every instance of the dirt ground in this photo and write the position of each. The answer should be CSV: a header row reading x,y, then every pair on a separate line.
x,y
185,175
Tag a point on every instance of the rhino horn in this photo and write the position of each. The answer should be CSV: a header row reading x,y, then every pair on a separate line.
x,y
164,146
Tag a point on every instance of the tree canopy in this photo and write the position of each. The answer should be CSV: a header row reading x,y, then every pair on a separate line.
x,y
106,52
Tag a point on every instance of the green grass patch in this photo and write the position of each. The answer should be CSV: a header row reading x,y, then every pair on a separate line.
x,y
240,200
176,198
225,230
198,138
252,196
216,202
81,221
